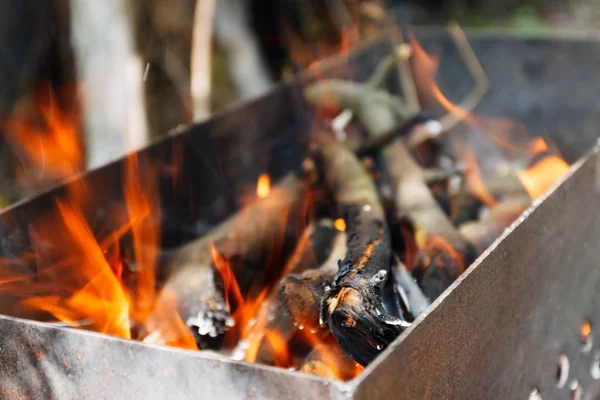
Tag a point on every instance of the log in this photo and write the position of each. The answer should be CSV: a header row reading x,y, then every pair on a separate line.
x,y
300,295
251,242
353,307
379,112
320,244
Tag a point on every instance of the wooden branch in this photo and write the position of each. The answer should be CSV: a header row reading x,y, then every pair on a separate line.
x,y
352,307
264,228
378,115
300,295
201,58
321,245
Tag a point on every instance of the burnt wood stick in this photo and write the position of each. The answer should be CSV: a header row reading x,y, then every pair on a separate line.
x,y
352,306
245,240
319,244
300,295
378,112
484,232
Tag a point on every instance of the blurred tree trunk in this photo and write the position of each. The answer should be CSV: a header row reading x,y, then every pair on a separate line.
x,y
110,71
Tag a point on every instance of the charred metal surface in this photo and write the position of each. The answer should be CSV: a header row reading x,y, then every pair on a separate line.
x,y
496,333
499,330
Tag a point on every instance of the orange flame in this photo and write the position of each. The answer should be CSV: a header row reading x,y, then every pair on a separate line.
x,y
46,136
263,187
80,279
96,294
332,361
230,285
538,178
505,134
279,345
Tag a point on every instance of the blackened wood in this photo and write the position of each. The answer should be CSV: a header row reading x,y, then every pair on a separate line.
x,y
352,307
318,245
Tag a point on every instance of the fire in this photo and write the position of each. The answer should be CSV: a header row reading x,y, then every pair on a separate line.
x,y
95,293
586,330
263,187
83,281
505,135
329,360
340,225
45,136
230,286
279,345
537,179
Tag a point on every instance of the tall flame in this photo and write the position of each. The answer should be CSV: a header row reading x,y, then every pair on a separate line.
x,y
81,279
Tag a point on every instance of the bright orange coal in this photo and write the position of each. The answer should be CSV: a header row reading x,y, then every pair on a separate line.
x,y
263,187
45,135
340,224
537,179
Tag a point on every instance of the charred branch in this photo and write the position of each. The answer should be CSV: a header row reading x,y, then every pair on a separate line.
x,y
353,306
300,295
320,244
379,112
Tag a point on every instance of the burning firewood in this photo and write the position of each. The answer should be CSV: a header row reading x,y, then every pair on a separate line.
x,y
353,306
379,113
300,295
242,245
321,244
482,233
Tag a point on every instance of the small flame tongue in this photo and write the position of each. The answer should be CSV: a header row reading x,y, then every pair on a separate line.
x,y
538,178
44,133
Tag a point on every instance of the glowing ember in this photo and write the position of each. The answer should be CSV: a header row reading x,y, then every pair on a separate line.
x,y
263,187
340,224
586,329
